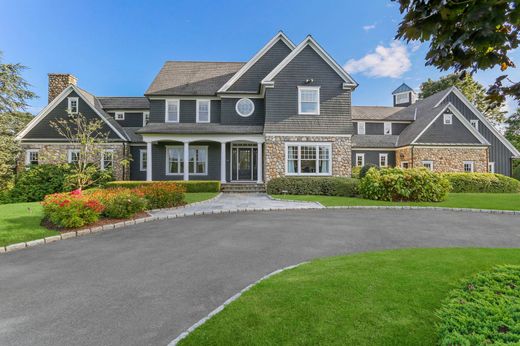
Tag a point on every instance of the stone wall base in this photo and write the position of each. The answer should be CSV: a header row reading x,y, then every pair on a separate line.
x,y
445,159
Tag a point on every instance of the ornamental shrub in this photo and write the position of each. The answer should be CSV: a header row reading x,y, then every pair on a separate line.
x,y
162,194
39,180
516,172
482,182
190,186
119,203
355,172
328,186
484,310
365,169
71,209
396,184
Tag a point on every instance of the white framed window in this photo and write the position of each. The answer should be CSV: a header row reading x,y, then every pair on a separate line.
x,y
387,128
73,156
360,160
405,164
428,165
361,128
107,159
31,157
309,100
383,160
172,111
402,98
146,118
468,166
491,167
143,160
245,107
73,105
308,158
197,164
474,123
203,111
120,116
448,119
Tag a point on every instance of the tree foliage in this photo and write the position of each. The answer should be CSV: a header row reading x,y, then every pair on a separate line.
x,y
466,36
14,90
473,90
10,125
513,129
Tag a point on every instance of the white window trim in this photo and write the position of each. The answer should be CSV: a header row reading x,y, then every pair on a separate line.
x,y
166,103
474,123
386,160
246,114
142,152
425,162
316,88
209,110
359,127
445,118
69,101
103,158
407,94
299,145
28,156
362,155
69,154
385,125
182,158
146,115
491,167
471,163
403,162
119,116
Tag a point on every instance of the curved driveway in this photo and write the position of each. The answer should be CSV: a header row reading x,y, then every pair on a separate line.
x,y
145,284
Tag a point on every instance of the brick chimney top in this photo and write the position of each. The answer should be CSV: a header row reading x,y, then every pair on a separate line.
x,y
58,82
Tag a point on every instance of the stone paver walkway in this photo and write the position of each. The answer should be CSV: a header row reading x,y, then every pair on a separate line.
x,y
231,202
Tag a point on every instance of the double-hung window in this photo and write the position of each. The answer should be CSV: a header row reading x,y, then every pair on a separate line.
x,y
308,158
31,157
203,111
428,165
73,156
361,128
309,100
383,160
172,111
143,160
107,159
197,160
468,166
387,128
73,107
146,118
360,160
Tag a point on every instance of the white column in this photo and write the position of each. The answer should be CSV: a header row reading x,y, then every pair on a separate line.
x,y
223,162
148,161
186,161
259,164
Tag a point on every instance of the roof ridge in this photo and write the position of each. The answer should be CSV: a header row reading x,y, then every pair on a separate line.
x,y
208,62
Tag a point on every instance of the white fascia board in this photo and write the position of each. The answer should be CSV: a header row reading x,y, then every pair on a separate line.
x,y
278,37
309,41
482,118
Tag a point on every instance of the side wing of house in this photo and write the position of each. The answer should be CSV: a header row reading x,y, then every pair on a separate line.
x,y
454,132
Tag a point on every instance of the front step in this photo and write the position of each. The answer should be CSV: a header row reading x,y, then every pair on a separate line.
x,y
242,188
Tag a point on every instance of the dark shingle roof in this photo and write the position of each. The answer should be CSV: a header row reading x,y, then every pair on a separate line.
x,y
134,137
402,88
181,128
373,112
123,102
374,141
192,78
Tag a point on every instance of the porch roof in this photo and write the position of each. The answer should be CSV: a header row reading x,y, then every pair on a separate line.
x,y
198,128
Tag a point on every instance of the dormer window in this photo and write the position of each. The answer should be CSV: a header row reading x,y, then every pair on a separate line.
x,y
120,116
308,100
387,128
361,128
402,98
73,105
448,119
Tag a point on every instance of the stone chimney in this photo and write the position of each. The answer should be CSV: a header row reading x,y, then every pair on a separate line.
x,y
58,82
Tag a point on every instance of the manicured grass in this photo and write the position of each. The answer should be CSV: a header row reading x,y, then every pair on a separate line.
x,y
192,197
378,298
500,201
20,222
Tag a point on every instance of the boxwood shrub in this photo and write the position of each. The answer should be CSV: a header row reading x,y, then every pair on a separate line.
x,y
482,182
328,186
35,183
484,310
396,184
189,186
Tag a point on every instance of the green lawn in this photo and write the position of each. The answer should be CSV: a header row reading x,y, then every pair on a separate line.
x,y
377,298
20,222
500,201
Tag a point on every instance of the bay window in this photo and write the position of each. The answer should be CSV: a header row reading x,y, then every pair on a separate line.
x,y
308,158
197,164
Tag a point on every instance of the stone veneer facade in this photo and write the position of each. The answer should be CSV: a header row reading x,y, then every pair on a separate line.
x,y
54,153
58,82
275,153
445,159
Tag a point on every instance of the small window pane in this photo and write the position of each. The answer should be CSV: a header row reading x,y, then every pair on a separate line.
x,y
173,111
203,111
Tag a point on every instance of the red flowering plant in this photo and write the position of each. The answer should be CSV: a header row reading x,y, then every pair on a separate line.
x,y
120,203
162,194
71,209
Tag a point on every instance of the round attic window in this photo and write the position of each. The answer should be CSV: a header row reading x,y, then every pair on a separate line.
x,y
245,107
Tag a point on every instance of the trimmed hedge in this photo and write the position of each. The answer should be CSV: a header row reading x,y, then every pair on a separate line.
x,y
189,186
328,186
484,310
35,183
396,184
482,182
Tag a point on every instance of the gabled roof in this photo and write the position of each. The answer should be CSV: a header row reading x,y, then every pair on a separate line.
x,y
123,102
402,89
349,82
192,78
373,112
280,36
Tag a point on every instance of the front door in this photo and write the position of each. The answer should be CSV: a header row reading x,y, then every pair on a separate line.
x,y
244,163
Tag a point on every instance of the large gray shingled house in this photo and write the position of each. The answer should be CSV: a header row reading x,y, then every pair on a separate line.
x,y
285,112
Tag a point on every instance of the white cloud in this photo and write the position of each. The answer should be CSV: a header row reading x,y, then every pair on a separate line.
x,y
369,27
392,61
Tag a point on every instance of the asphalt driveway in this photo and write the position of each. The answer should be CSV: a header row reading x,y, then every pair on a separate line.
x,y
145,284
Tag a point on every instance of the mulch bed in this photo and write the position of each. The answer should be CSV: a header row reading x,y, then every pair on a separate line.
x,y
101,222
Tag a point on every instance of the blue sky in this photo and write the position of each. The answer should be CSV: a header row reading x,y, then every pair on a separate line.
x,y
115,48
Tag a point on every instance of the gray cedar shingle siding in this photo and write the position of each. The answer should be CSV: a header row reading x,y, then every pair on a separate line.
x,y
135,165
44,130
250,81
230,116
378,128
132,119
440,133
282,100
372,157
